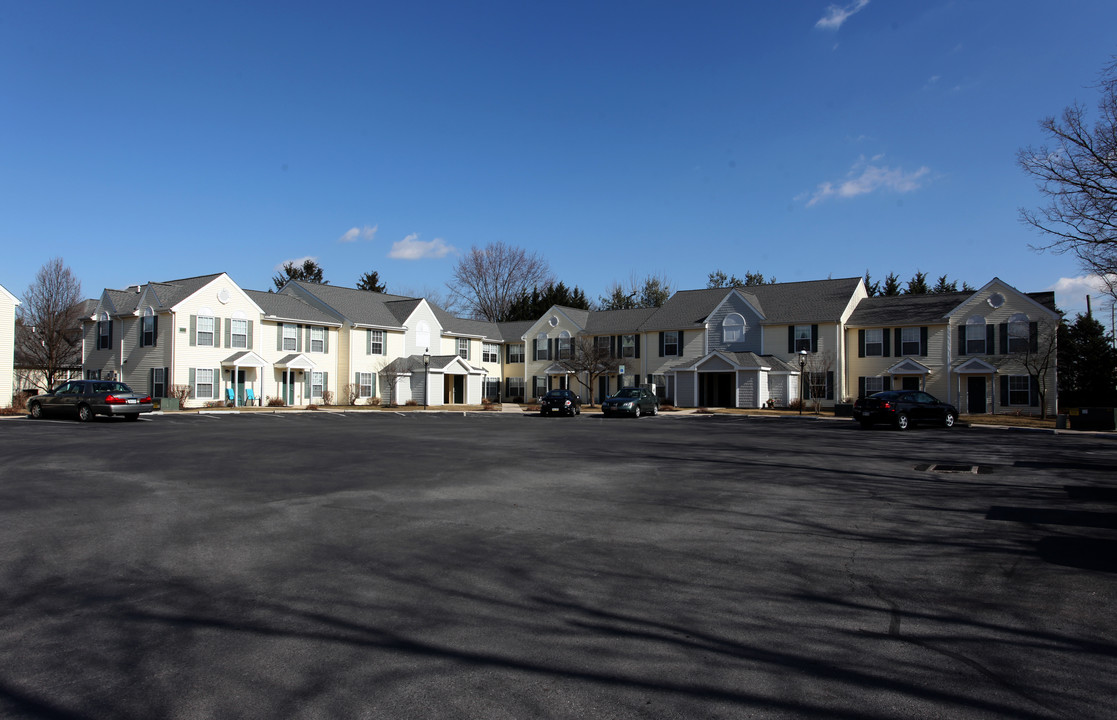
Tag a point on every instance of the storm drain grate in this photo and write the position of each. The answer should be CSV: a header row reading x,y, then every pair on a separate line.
x,y
963,469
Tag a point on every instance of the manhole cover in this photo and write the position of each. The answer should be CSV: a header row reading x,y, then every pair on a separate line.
x,y
953,468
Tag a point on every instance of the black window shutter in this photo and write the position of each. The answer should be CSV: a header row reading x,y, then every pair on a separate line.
x,y
886,337
636,342
550,348
887,382
989,339
535,349
830,385
899,342
814,338
861,387
110,333
151,381
507,354
791,338
612,346
923,341
1004,390
680,351
1033,336
1034,395
154,331
661,344
1004,338
861,346
961,339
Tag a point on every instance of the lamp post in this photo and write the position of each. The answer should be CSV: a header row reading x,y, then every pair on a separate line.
x,y
426,377
802,365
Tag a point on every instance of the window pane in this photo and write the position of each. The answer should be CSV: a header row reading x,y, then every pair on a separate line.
x,y
911,341
874,342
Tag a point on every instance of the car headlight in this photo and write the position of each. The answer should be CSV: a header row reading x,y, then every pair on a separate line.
x,y
627,405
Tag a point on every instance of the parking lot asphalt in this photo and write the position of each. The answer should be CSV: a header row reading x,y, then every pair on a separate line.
x,y
377,565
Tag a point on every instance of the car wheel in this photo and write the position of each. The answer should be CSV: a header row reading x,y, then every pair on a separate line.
x,y
636,412
866,425
901,422
948,420
36,410
85,413
655,409
132,416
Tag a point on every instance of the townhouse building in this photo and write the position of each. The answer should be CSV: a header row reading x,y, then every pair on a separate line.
x,y
747,347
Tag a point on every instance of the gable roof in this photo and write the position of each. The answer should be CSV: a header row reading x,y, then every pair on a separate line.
x,y
513,331
906,309
780,303
289,307
615,322
356,306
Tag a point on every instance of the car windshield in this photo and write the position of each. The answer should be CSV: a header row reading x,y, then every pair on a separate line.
x,y
628,394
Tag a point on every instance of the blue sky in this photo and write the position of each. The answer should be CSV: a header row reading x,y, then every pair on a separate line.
x,y
150,141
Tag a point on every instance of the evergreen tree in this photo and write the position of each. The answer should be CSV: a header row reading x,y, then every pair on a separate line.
x,y
718,279
1087,364
943,286
872,287
532,305
918,284
371,281
891,285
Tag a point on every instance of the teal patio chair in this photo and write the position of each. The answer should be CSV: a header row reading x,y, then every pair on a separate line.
x,y
249,397
230,398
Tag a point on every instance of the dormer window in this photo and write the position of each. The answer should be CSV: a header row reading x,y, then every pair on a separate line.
x,y
148,335
104,332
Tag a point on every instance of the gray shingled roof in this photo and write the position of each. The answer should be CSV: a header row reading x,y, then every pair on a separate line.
x,y
465,326
514,331
358,306
781,303
172,292
906,309
123,301
615,322
289,307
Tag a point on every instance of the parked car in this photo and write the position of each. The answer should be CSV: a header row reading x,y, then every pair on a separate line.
x,y
87,398
560,401
631,401
902,408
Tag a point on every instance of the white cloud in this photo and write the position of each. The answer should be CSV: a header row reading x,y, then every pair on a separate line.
x,y
412,248
836,15
355,233
865,177
297,262
1071,292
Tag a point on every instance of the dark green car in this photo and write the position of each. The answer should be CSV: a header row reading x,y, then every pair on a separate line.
x,y
631,401
84,399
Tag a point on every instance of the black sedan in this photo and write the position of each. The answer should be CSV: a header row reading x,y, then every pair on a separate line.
x,y
902,408
87,398
631,401
561,401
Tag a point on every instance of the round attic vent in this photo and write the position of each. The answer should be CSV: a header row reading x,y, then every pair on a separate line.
x,y
224,296
996,300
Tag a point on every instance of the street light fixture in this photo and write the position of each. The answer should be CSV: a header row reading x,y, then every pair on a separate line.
x,y
802,365
426,377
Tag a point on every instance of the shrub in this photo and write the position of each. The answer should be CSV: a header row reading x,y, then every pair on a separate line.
x,y
312,406
519,400
215,403
180,393
667,407
412,403
796,404
704,411
11,410
327,397
276,402
373,401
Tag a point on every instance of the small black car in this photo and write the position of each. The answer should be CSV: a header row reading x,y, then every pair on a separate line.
x,y
631,401
902,408
560,401
86,398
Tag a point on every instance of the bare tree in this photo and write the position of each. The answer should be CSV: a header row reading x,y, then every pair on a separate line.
x,y
818,369
488,280
48,334
1077,174
588,360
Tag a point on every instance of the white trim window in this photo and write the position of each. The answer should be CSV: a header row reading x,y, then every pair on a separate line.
x,y
238,333
318,340
423,334
148,328
104,332
364,384
203,382
205,331
515,387
802,338
516,355
541,347
628,346
603,344
540,388
671,343
463,348
376,342
490,352
562,347
1019,390
874,385
290,337
733,328
158,382
975,335
1019,333
317,383
911,342
874,342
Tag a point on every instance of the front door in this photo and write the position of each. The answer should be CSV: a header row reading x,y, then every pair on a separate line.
x,y
909,382
287,387
602,387
240,387
975,394
459,389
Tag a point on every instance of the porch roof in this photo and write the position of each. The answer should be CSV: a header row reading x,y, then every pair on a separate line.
x,y
244,358
295,361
